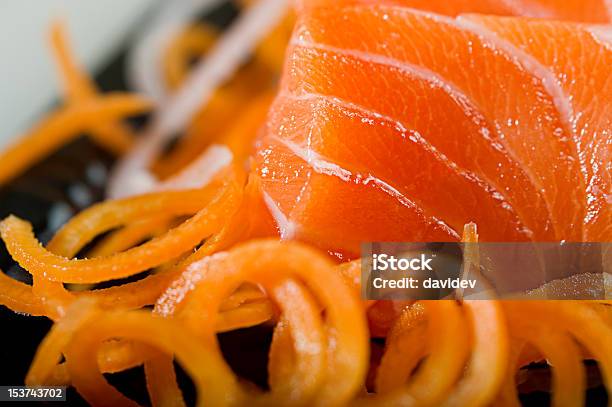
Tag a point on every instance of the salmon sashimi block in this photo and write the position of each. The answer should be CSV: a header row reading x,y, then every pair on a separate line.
x,y
394,124
581,60
590,11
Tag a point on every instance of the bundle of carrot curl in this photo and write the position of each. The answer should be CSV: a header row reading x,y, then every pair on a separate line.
x,y
202,278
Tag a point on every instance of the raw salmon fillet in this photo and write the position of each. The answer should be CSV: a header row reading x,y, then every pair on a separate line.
x,y
581,60
592,11
395,124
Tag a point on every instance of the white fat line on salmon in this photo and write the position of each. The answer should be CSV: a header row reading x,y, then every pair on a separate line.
x,y
415,137
323,166
520,8
550,82
548,79
286,227
519,57
529,63
299,40
469,107
602,34
471,110
410,134
316,161
514,7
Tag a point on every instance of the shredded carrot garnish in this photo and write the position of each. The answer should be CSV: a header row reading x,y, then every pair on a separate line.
x,y
79,88
238,101
189,44
247,97
130,236
62,126
271,51
19,297
23,246
189,301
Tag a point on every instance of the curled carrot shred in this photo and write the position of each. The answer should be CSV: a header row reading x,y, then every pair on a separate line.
x,y
271,51
49,353
19,297
469,352
247,97
197,358
130,236
216,121
109,215
106,216
28,252
561,352
190,43
79,88
405,347
62,126
188,300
